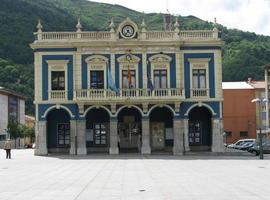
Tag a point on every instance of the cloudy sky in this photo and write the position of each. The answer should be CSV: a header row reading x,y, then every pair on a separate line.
x,y
247,15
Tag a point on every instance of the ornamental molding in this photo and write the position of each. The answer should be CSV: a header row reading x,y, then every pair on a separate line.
x,y
199,60
96,59
133,59
57,62
160,58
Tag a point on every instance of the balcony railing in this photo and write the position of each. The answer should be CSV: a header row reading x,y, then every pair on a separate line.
x,y
139,93
57,94
199,92
112,36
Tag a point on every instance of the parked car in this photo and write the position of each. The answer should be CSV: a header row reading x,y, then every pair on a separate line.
x,y
240,142
247,145
256,148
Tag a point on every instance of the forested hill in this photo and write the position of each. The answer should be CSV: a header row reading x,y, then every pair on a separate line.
x,y
244,52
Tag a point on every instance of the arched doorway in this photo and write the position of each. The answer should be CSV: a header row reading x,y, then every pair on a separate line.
x,y
58,131
129,130
161,129
200,129
97,130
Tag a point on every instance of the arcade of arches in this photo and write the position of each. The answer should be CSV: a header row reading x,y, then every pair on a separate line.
x,y
129,131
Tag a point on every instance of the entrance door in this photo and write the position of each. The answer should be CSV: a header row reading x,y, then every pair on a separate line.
x,y
194,135
129,135
63,132
157,130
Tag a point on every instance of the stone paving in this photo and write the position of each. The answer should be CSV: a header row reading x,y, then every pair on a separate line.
x,y
133,177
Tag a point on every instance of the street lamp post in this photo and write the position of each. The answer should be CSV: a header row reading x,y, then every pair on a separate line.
x,y
260,101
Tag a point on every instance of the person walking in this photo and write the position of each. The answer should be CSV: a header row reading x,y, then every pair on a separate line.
x,y
7,147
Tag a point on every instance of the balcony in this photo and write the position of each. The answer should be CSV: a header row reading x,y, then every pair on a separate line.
x,y
199,92
138,94
57,95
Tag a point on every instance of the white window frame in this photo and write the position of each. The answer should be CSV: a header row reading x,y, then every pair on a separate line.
x,y
199,63
57,65
133,65
161,62
96,63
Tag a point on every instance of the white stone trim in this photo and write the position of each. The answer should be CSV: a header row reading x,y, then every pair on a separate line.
x,y
57,65
129,106
57,107
133,65
161,105
199,64
200,104
91,107
158,60
97,63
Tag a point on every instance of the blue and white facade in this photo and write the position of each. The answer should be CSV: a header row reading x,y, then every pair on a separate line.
x,y
127,90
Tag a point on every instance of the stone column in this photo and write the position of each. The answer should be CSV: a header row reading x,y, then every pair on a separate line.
x,y
114,150
41,138
178,144
81,137
146,149
185,130
73,129
217,135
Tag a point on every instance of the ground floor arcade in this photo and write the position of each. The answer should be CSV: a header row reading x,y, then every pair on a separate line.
x,y
129,129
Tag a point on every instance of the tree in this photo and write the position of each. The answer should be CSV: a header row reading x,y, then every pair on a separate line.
x,y
13,128
27,132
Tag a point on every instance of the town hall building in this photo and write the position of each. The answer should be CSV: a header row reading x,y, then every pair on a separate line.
x,y
128,89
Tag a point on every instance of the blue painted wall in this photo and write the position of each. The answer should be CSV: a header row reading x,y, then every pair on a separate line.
x,y
211,70
45,75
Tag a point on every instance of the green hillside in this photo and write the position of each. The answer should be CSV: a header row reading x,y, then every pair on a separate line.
x,y
244,52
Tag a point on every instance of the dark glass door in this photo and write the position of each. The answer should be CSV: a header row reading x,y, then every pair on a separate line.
x,y
195,133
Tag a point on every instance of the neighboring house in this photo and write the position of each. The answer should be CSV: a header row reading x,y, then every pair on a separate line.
x,y
241,116
29,121
12,105
128,89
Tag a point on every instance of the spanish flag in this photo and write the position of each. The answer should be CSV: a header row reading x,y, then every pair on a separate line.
x,y
129,76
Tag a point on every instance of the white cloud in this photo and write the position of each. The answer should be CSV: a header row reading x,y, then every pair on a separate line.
x,y
247,15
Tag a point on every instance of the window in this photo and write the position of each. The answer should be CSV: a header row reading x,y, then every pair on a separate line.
x,y
2,137
125,83
199,78
13,108
228,133
243,133
97,79
58,80
99,134
160,78
63,131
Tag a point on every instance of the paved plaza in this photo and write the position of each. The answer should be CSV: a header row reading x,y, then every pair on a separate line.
x,y
133,177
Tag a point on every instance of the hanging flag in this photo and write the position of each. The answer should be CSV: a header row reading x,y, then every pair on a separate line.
x,y
129,77
111,84
128,58
149,82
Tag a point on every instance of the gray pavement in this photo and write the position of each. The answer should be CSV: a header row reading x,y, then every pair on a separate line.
x,y
133,177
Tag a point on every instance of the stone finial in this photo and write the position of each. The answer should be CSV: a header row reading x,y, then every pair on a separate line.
x,y
176,25
39,26
112,26
143,25
215,29
215,24
79,26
